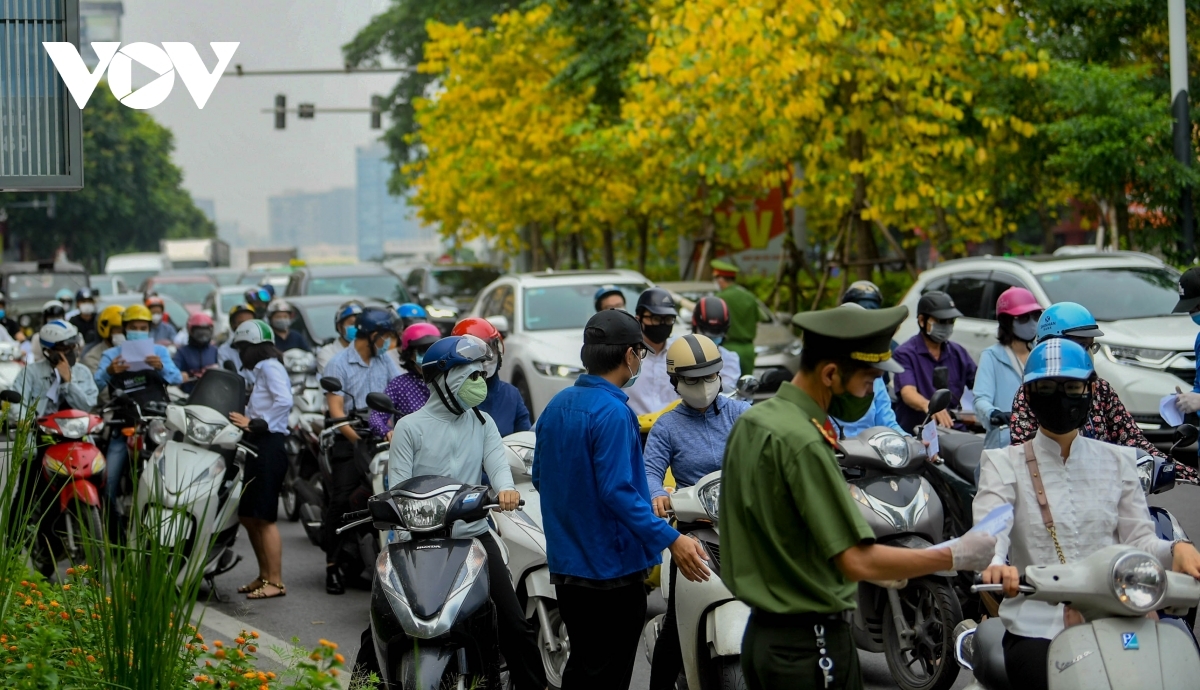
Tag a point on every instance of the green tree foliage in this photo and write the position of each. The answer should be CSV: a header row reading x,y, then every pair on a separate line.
x,y
609,37
132,195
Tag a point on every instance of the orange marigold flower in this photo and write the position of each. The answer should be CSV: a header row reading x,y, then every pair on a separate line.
x,y
29,666
204,648
241,654
66,588
262,676
240,640
41,607
251,648
263,687
271,675
65,615
70,663
95,616
333,672
53,603
199,637
254,635
220,654
80,611
29,602
218,644
13,648
339,658
70,571
249,675
91,659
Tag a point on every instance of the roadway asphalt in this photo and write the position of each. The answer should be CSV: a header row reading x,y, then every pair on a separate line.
x,y
309,614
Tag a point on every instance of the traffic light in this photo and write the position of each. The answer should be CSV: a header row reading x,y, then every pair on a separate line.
x,y
281,112
376,112
306,111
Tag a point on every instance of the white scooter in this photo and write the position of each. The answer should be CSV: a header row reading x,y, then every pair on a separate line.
x,y
1118,647
189,489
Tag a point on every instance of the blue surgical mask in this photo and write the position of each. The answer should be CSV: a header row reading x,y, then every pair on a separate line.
x,y
718,339
351,332
419,358
137,335
633,379
1,313
385,345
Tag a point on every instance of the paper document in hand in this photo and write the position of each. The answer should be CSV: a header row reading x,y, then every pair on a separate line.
x,y
929,434
995,522
1168,411
135,352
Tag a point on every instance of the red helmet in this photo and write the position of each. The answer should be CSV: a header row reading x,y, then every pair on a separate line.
x,y
711,316
417,333
485,331
1016,301
199,320
155,301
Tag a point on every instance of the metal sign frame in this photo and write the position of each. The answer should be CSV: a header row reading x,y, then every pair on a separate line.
x,y
47,155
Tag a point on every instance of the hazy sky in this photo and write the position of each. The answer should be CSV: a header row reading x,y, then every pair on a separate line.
x,y
230,151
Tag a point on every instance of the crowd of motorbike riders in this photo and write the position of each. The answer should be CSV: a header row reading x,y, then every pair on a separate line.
x,y
793,542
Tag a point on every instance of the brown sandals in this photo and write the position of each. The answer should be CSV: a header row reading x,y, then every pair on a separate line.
x,y
257,584
260,593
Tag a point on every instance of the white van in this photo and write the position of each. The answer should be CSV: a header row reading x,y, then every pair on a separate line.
x,y
134,269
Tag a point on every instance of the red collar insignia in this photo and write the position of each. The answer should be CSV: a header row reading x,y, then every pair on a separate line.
x,y
826,430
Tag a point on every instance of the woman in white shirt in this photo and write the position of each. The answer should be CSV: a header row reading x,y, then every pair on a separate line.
x,y
1095,499
270,401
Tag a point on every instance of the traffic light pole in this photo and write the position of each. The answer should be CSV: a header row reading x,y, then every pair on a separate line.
x,y
1177,33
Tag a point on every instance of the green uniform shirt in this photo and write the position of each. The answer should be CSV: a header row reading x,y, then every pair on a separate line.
x,y
786,510
743,313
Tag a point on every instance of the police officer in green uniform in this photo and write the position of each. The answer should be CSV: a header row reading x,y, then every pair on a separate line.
x,y
743,314
793,542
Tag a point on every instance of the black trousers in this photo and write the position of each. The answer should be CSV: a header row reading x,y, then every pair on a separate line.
x,y
345,480
516,637
782,652
668,657
1025,661
605,626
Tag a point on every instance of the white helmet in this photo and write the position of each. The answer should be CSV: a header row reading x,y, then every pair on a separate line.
x,y
253,332
56,333
278,305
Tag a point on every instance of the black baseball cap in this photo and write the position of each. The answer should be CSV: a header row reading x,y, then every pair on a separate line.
x,y
938,305
612,327
1189,291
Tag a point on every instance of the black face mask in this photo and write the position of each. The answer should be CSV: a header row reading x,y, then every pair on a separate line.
x,y
657,334
200,337
1059,413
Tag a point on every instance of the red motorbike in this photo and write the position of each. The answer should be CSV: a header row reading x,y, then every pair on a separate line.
x,y
73,466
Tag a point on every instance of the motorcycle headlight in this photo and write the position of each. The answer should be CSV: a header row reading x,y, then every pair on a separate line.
x,y
73,427
557,370
299,362
202,433
892,448
156,431
1139,582
1146,473
424,514
710,498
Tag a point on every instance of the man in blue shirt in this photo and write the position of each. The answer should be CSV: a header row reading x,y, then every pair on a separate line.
x,y
601,532
1189,303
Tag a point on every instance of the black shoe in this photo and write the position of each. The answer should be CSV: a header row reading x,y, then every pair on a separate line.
x,y
333,580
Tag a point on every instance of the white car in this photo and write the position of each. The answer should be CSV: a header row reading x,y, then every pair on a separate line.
x,y
542,316
1146,351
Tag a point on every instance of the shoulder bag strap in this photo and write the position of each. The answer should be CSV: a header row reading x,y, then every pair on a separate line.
x,y
1035,476
1014,360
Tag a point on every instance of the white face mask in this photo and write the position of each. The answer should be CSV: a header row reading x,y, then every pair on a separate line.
x,y
699,396
156,318
118,338
87,308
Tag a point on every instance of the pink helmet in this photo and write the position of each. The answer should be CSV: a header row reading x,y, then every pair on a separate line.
x,y
418,331
199,320
1016,301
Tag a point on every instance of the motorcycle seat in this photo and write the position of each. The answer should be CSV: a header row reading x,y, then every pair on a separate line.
x,y
989,655
961,452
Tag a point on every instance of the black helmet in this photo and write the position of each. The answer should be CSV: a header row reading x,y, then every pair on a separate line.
x,y
863,293
656,301
84,294
711,316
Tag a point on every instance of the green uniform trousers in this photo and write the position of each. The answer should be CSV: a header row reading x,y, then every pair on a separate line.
x,y
781,652
745,353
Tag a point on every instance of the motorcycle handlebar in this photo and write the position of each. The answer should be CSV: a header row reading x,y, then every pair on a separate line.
x,y
1022,586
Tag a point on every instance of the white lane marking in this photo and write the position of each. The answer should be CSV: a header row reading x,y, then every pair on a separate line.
x,y
231,627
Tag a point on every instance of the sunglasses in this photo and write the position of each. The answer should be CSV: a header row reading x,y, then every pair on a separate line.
x,y
1033,316
697,380
1071,389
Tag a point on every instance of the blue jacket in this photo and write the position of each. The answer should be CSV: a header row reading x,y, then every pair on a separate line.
x,y
996,384
690,442
170,372
880,414
587,466
193,359
505,406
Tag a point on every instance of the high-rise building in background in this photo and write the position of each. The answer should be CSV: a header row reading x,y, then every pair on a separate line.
x,y
99,20
384,221
307,219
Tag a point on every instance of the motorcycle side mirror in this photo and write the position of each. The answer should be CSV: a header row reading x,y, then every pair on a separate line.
x,y
941,377
10,397
939,401
1164,476
331,384
1186,434
381,403
747,385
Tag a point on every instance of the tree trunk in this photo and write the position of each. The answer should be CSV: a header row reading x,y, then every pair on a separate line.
x,y
610,261
583,251
574,248
1047,224
860,229
535,248
643,243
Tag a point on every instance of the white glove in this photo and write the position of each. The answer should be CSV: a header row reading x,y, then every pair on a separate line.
x,y
973,551
1188,402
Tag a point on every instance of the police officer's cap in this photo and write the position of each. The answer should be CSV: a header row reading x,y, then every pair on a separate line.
x,y
863,335
656,301
612,327
723,269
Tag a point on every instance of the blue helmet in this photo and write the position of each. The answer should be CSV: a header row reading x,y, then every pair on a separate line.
x,y
454,351
1058,358
1067,319
346,311
605,291
374,320
408,310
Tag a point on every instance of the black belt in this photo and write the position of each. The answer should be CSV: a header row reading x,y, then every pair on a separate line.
x,y
789,620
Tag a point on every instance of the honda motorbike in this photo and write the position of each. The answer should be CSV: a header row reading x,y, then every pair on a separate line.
x,y
1118,647
911,622
432,621
306,420
189,489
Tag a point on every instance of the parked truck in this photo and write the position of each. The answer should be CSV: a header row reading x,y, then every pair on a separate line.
x,y
271,257
198,253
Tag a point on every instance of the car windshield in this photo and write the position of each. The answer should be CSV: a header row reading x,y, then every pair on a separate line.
x,y
1112,294
188,293
386,288
42,285
568,306
460,282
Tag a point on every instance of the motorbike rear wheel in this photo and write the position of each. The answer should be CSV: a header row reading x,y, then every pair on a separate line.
x,y
931,610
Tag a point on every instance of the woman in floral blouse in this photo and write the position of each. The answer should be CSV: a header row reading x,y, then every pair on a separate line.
x,y
407,391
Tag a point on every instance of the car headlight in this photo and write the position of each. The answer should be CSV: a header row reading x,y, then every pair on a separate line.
x,y
202,433
1145,470
1137,356
424,514
892,448
1139,582
710,498
156,431
557,370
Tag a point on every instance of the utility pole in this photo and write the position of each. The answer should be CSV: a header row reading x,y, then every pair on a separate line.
x,y
1177,33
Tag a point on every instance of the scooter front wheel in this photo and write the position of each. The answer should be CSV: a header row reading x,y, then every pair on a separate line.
x,y
922,657
554,645
729,673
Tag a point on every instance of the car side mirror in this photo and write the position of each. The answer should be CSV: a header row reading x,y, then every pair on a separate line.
x,y
10,397
381,403
331,384
500,322
940,401
941,377
747,385
1186,434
